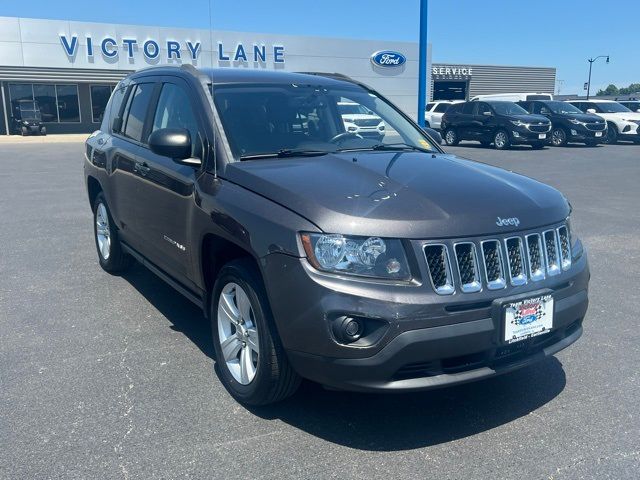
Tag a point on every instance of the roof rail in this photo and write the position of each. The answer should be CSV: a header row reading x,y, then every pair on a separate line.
x,y
339,76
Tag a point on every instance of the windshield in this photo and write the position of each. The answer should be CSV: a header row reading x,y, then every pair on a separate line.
x,y
29,111
508,108
352,109
562,108
267,119
612,107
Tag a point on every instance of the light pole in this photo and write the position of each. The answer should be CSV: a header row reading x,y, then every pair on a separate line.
x,y
422,62
591,60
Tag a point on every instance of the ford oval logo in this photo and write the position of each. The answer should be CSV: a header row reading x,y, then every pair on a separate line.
x,y
387,58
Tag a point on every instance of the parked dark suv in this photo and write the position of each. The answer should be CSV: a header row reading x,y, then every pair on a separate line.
x,y
498,122
569,123
316,253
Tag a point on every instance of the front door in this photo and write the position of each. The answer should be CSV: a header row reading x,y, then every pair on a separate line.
x,y
167,190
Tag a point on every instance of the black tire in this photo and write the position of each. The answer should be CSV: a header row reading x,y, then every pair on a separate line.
x,y
43,131
451,137
558,137
538,145
274,378
612,134
116,261
501,143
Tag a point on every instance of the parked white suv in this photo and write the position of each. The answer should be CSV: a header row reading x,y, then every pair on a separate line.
x,y
435,110
623,124
360,120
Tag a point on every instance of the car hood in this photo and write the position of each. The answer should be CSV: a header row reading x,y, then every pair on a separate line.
x,y
401,194
530,118
584,117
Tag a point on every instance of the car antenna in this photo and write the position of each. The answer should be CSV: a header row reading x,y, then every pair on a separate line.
x,y
215,137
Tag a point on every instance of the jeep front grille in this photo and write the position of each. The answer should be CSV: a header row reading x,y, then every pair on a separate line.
x,y
439,268
495,262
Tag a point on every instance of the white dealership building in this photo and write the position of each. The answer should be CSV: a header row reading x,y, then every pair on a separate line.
x,y
71,67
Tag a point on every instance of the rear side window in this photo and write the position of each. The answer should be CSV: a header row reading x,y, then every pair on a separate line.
x,y
455,108
442,107
115,106
468,108
139,99
430,106
174,111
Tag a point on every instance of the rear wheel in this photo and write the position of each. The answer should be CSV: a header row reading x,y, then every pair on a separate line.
x,y
558,137
110,254
501,140
252,363
451,137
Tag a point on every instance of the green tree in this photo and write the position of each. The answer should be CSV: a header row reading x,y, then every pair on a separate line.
x,y
610,90
633,88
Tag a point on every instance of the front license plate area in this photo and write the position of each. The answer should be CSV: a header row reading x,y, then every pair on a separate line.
x,y
542,136
527,318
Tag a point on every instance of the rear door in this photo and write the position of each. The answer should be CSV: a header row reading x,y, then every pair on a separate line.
x,y
466,128
485,121
128,160
167,191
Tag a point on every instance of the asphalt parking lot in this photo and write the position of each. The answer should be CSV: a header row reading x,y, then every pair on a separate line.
x,y
111,377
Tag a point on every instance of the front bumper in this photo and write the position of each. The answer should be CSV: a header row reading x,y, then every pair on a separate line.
x,y
427,341
522,135
578,133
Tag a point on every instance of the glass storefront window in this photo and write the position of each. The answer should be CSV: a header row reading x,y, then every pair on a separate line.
x,y
19,91
45,95
68,104
99,97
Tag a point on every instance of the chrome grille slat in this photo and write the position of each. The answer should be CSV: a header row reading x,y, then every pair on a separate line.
x,y
437,256
468,268
493,267
551,252
565,247
535,257
515,256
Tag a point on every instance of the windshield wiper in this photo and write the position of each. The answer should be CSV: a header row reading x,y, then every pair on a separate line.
x,y
287,152
388,146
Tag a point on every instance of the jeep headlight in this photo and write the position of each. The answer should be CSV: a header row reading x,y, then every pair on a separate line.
x,y
575,122
363,256
518,123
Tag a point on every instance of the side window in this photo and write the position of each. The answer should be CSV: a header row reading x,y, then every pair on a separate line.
x,y
580,106
468,108
484,109
442,107
430,107
528,106
115,107
174,111
137,111
589,105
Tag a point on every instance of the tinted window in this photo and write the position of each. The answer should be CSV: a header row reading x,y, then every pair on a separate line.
x,y
508,108
115,107
99,98
429,106
483,108
455,108
579,105
442,107
528,106
610,107
68,104
174,111
138,105
468,108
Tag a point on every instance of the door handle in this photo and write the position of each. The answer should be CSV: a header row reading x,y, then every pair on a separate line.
x,y
142,168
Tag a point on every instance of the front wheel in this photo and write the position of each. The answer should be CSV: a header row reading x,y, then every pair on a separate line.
x,y
451,137
501,140
612,134
558,137
251,361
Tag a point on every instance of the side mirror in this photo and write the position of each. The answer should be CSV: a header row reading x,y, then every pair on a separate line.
x,y
591,110
487,114
174,143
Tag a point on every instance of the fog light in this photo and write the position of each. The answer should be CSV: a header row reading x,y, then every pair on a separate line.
x,y
347,329
573,132
516,134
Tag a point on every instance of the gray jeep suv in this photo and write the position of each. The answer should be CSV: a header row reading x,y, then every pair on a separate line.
x,y
362,264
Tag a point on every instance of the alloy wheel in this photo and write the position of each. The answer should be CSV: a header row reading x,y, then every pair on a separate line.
x,y
500,140
450,137
558,137
238,333
103,233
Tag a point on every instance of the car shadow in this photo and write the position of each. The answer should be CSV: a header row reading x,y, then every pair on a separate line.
x,y
184,316
512,148
392,422
378,422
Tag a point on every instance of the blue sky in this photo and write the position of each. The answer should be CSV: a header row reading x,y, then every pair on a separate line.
x,y
555,33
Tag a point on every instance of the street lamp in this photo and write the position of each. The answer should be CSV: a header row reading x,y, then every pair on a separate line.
x,y
591,60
